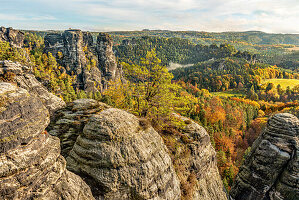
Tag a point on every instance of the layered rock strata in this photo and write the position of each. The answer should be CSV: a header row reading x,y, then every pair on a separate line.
x,y
93,63
68,123
271,170
21,75
120,158
31,166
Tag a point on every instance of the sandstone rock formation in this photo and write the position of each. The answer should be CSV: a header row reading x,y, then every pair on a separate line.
x,y
68,123
201,162
107,61
14,37
21,75
271,170
100,154
121,158
31,166
75,50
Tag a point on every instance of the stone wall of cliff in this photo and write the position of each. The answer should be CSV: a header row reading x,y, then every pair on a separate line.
x,y
123,160
271,170
31,166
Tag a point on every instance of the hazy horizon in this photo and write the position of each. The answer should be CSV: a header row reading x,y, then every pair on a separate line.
x,y
74,28
270,16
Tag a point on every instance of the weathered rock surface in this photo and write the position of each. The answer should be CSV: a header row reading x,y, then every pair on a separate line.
x,y
68,123
31,166
14,37
271,170
77,50
23,78
201,162
120,159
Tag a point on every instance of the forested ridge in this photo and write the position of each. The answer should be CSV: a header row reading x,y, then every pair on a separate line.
x,y
176,50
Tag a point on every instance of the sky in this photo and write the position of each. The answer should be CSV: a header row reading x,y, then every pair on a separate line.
x,y
273,16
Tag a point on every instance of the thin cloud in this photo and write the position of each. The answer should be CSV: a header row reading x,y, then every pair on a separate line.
x,y
201,15
12,17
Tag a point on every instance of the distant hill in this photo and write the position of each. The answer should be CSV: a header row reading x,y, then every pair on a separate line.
x,y
253,37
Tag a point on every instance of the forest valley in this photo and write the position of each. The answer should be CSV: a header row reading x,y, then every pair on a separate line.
x,y
231,88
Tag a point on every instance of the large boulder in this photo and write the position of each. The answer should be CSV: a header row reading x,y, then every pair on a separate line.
x,y
22,76
31,166
271,170
121,157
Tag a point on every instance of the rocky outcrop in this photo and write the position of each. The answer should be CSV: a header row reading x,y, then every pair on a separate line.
x,y
121,157
111,150
14,37
94,63
21,75
271,170
70,45
198,163
106,58
68,123
31,166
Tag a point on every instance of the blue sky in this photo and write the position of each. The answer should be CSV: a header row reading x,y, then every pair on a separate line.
x,y
277,16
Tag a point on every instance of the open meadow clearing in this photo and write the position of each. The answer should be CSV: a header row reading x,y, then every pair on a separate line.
x,y
283,82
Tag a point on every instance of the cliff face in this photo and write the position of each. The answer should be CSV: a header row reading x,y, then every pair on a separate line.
x,y
75,49
271,170
31,166
16,73
14,37
70,44
106,58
